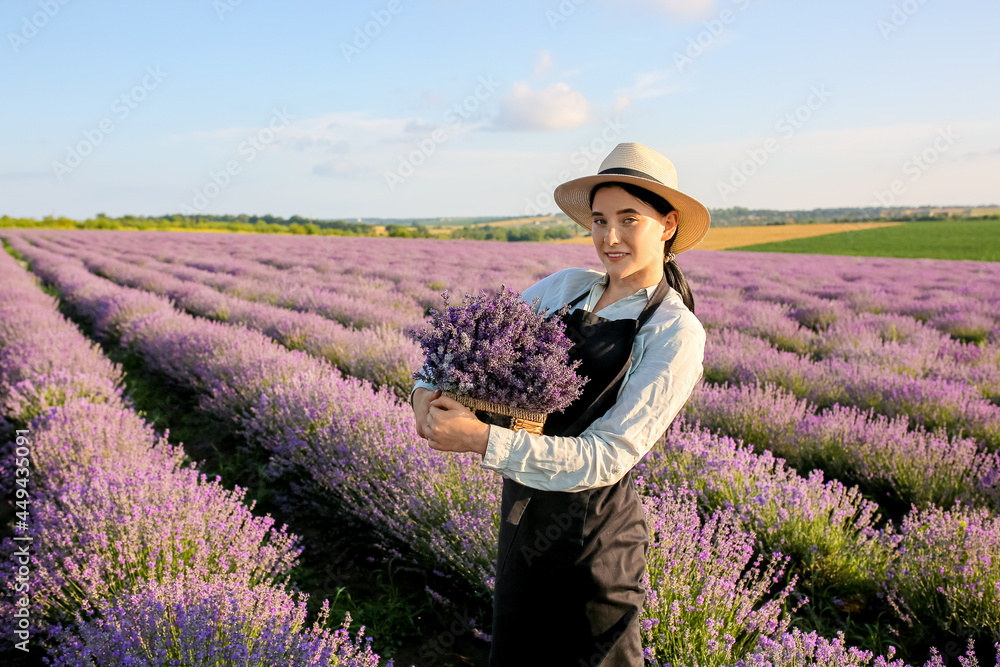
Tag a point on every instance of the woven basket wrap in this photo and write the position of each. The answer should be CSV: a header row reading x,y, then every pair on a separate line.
x,y
520,419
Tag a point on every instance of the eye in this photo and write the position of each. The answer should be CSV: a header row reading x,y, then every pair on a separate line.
x,y
630,219
599,221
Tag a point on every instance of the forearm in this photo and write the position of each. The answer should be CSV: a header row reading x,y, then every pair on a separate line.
x,y
557,463
416,393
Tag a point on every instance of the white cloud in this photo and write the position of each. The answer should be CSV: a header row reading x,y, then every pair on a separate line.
x,y
557,107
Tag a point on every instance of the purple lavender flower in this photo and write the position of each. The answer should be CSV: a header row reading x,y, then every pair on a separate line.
x,y
496,348
706,602
193,621
947,569
800,649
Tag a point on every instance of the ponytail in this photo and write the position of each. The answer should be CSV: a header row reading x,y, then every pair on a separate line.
x,y
675,278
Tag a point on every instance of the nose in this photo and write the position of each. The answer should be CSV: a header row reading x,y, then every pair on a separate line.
x,y
612,235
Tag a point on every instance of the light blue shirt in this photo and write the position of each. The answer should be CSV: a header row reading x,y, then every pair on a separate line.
x,y
666,364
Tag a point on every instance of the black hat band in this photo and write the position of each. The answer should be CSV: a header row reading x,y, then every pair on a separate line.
x,y
625,171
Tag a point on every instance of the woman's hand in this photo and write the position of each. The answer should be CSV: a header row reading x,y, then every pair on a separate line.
x,y
452,427
422,398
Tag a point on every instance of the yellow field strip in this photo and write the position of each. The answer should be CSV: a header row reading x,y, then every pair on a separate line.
x,y
516,222
722,238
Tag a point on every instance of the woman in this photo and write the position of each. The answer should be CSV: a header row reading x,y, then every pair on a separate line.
x,y
573,535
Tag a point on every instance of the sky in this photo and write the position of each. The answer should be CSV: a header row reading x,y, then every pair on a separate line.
x,y
451,108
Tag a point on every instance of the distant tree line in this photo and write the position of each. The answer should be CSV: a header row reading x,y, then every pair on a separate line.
x,y
738,216
523,233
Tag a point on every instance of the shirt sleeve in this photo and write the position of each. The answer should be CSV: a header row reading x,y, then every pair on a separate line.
x,y
540,288
662,381
418,385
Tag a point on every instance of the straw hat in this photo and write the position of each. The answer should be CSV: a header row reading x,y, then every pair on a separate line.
x,y
641,165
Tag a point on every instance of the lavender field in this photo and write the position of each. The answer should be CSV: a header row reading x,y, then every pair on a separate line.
x,y
829,496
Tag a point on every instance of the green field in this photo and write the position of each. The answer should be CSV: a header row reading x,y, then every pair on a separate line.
x,y
939,239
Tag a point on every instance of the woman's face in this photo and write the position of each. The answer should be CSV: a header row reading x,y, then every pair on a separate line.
x,y
629,234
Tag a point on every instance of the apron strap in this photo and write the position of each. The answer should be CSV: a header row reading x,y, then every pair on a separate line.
x,y
659,294
577,299
654,301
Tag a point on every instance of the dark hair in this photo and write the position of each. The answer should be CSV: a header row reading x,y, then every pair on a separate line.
x,y
675,277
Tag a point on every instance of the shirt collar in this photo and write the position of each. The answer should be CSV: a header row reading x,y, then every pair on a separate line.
x,y
605,279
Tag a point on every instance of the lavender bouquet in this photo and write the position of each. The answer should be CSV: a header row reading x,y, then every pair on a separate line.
x,y
497,350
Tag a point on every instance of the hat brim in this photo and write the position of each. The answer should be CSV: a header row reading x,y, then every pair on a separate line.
x,y
693,218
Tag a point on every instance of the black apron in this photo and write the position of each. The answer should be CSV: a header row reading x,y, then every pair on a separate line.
x,y
569,566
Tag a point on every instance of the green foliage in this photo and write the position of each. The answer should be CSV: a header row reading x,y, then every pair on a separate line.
x,y
971,239
522,233
408,232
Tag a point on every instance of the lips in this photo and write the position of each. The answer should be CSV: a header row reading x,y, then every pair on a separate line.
x,y
615,256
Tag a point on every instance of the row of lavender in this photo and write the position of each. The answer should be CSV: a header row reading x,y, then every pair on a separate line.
x,y
381,354
356,285
807,510
127,539
898,453
952,402
956,298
